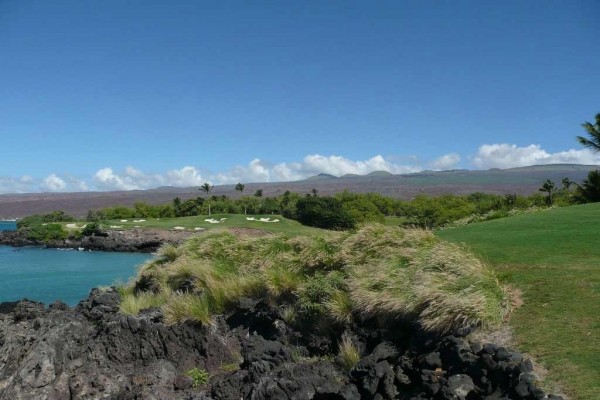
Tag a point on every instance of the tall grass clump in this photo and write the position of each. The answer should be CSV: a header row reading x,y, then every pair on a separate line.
x,y
442,286
375,272
349,354
132,303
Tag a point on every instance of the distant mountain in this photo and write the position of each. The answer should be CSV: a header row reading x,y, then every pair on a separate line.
x,y
522,180
320,177
554,168
379,173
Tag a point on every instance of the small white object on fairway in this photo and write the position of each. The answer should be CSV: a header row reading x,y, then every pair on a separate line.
x,y
73,226
214,221
261,220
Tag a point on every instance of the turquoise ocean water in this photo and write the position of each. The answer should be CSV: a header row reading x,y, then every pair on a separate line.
x,y
50,274
8,225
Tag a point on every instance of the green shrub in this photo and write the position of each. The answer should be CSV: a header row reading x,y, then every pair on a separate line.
x,y
589,191
199,377
39,219
324,212
46,233
93,229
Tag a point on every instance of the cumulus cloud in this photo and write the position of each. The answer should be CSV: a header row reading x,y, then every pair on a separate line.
x,y
23,184
445,162
257,170
261,171
186,176
510,155
53,183
132,178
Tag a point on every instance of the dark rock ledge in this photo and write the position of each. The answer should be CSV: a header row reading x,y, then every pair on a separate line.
x,y
134,240
94,352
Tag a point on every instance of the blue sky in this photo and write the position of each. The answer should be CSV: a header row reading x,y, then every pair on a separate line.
x,y
114,94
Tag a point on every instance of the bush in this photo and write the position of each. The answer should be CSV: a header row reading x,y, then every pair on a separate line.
x,y
589,191
324,212
46,233
38,219
199,377
92,229
376,272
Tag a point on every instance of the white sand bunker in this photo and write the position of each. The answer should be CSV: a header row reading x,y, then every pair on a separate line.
x,y
179,228
261,219
116,226
74,226
215,221
139,220
199,229
123,220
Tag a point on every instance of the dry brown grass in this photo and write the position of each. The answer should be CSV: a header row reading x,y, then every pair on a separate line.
x,y
376,271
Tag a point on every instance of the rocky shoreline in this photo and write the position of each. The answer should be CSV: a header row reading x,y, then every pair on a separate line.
x,y
134,240
92,351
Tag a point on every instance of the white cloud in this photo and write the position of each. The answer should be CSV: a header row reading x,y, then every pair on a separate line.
x,y
131,179
336,165
16,185
510,155
53,183
260,171
186,176
257,170
445,162
106,179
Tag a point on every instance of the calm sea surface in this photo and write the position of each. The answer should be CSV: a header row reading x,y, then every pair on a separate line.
x,y
49,274
8,225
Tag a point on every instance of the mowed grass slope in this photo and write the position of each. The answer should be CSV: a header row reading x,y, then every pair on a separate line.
x,y
284,225
554,257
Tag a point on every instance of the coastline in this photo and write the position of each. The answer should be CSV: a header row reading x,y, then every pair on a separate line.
x,y
131,241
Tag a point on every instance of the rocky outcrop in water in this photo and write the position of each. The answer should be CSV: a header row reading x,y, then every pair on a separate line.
x,y
134,240
92,352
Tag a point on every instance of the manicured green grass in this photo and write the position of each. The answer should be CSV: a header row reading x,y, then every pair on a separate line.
x,y
553,256
284,226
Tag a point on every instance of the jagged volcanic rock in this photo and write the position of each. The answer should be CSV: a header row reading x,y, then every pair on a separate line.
x,y
94,352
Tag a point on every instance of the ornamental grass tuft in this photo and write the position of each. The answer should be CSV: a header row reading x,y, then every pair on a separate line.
x,y
375,272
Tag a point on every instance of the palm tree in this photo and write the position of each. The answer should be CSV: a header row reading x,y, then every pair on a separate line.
x,y
567,183
240,188
207,188
593,130
549,188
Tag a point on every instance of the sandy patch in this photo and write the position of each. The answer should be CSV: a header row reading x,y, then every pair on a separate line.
x,y
261,219
215,221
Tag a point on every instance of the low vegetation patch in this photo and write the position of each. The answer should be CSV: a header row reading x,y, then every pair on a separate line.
x,y
349,354
375,272
199,377
552,258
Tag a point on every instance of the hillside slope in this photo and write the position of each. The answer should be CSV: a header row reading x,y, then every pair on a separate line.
x,y
524,180
553,256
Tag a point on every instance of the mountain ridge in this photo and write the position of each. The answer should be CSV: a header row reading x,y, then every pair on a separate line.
x,y
520,180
